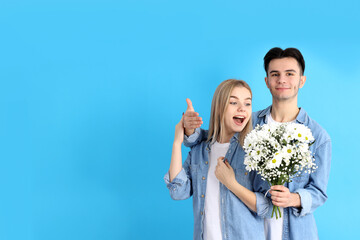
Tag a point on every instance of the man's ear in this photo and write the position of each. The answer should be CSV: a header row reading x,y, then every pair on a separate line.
x,y
267,83
302,81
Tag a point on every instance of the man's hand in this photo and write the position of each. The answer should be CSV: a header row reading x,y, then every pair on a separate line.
x,y
225,173
282,197
191,119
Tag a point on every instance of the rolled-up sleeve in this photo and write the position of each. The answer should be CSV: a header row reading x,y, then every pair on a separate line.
x,y
180,187
195,138
263,205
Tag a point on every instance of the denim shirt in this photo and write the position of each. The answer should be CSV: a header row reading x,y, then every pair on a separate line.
x,y
300,223
237,221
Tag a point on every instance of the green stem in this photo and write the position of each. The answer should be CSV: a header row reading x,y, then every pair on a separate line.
x,y
279,212
276,212
272,214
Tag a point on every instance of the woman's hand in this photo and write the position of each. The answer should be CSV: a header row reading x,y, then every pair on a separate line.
x,y
179,132
225,173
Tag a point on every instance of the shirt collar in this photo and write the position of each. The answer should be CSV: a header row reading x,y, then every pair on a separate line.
x,y
301,117
233,139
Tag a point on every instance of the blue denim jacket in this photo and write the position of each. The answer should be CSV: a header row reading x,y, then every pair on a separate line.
x,y
237,221
300,223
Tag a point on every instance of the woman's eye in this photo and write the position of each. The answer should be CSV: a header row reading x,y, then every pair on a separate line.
x,y
233,103
248,104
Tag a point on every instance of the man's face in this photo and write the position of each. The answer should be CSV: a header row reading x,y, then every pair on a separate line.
x,y
238,111
284,78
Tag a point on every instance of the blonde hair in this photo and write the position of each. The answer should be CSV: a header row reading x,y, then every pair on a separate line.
x,y
218,107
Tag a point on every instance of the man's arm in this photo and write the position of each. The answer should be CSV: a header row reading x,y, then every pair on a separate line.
x,y
313,194
303,200
191,119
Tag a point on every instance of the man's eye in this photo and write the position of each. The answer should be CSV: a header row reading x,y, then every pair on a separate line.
x,y
290,74
248,104
274,75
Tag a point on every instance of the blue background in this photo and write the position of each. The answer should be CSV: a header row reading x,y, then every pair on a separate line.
x,y
91,91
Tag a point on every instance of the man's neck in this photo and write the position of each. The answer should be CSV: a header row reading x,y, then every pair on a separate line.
x,y
284,111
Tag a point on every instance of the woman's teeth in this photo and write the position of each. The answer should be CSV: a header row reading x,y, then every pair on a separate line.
x,y
239,120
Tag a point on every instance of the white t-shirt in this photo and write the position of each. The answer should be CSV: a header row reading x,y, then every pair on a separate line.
x,y
212,226
274,227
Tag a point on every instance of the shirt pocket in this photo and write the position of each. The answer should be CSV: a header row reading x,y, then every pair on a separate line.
x,y
242,176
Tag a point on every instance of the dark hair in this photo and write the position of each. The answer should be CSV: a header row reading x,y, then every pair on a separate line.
x,y
277,53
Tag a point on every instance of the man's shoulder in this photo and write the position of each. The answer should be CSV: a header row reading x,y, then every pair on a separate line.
x,y
258,115
261,113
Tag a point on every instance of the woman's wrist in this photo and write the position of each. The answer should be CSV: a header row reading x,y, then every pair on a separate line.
x,y
232,184
177,143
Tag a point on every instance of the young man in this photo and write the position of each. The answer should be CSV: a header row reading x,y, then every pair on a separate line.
x,y
298,199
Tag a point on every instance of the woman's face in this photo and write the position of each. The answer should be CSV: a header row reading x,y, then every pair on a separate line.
x,y
238,111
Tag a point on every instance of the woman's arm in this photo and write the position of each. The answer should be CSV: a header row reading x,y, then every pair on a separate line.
x,y
177,179
176,158
226,175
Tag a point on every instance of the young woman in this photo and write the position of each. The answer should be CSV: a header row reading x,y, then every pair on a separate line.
x,y
214,173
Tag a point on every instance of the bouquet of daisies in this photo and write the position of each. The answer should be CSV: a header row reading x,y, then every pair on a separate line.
x,y
279,152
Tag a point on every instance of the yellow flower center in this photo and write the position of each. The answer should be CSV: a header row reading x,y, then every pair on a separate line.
x,y
258,152
299,134
306,138
289,150
274,161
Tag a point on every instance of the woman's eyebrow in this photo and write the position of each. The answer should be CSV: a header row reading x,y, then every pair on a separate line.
x,y
249,98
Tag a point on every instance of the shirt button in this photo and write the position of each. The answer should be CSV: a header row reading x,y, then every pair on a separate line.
x,y
246,173
203,178
201,213
206,162
202,195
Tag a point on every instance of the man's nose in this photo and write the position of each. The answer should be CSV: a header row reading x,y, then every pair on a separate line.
x,y
281,78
